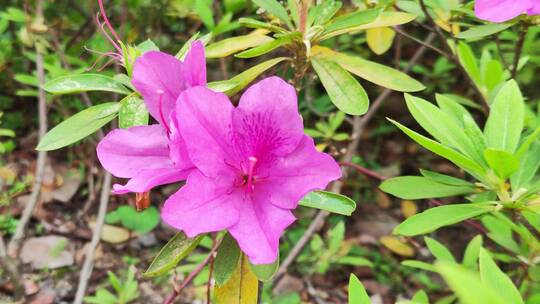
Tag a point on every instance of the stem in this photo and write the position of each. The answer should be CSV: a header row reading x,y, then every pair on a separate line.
x,y
519,49
176,291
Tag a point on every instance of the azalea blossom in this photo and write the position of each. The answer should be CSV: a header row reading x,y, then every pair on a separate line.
x,y
254,164
154,155
503,10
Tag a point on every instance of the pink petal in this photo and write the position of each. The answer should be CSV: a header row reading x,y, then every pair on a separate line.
x,y
124,152
266,122
195,65
535,9
146,179
204,121
259,229
154,72
178,150
501,10
290,178
203,205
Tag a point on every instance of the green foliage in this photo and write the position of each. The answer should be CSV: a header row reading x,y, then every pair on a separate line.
x,y
171,254
329,201
139,221
125,291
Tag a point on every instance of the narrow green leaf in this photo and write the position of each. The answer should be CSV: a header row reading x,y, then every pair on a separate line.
x,y
267,47
469,63
352,20
240,81
419,265
204,11
528,166
470,257
441,126
132,113
388,18
344,91
502,162
445,179
371,71
480,31
420,297
329,201
84,82
467,285
253,23
357,292
172,253
492,276
506,118
228,255
439,251
435,218
457,158
79,126
236,44
274,7
419,187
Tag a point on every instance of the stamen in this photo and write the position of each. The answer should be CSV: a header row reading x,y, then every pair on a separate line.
x,y
252,163
160,105
102,10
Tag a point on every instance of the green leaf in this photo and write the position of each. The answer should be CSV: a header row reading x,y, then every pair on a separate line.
x,y
228,255
439,251
240,81
204,11
147,45
274,8
420,297
469,63
132,113
502,162
441,126
492,276
139,221
329,201
467,285
344,91
506,118
435,218
357,292
253,23
470,257
480,31
418,187
241,288
457,158
236,44
351,21
388,18
445,179
528,167
371,71
172,253
79,126
419,265
84,83
354,261
265,272
267,47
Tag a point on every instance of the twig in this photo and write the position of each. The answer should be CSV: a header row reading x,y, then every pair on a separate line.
x,y
518,50
12,270
15,242
358,127
88,265
436,49
176,291
363,170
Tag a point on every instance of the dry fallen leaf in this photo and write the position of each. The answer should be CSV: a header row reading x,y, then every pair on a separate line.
x,y
397,246
48,252
112,234
408,208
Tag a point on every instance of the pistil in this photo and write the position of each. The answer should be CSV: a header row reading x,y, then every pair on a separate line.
x,y
252,163
163,121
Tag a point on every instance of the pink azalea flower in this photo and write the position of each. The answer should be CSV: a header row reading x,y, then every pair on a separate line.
x,y
154,155
254,165
503,10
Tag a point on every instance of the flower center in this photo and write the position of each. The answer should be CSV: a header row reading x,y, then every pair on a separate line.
x,y
160,105
250,174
